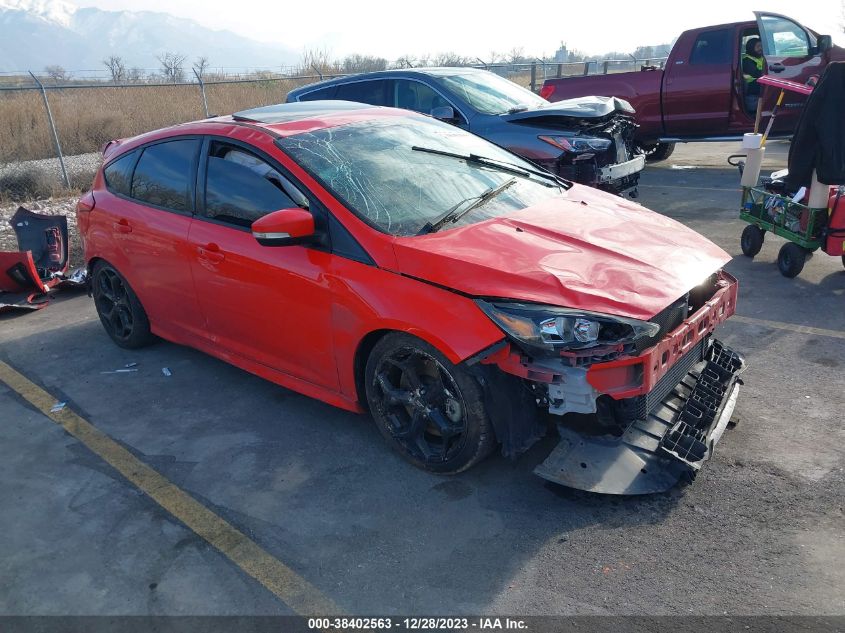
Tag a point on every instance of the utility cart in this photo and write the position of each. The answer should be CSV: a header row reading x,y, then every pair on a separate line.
x,y
806,229
767,209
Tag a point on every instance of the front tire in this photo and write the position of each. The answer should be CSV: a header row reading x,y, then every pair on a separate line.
x,y
752,240
791,260
655,152
430,410
119,309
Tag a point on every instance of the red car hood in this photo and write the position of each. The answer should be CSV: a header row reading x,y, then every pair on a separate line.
x,y
590,251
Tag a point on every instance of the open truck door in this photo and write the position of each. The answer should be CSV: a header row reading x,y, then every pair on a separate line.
x,y
792,52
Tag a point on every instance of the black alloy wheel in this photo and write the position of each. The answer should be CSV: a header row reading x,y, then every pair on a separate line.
x,y
119,310
428,409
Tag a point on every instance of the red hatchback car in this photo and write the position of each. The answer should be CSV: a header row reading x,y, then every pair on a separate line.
x,y
381,260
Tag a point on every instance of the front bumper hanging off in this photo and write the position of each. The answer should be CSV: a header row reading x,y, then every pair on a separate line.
x,y
667,440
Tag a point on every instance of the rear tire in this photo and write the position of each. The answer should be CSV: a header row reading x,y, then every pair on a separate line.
x,y
655,152
843,260
791,260
119,309
430,410
752,240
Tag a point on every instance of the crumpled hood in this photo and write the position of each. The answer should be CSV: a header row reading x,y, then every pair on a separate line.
x,y
581,107
591,251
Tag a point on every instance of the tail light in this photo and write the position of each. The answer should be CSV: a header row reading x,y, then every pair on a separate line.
x,y
547,91
55,249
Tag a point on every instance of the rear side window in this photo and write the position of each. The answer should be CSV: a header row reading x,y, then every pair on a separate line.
x,y
240,187
118,174
373,92
164,173
712,47
322,93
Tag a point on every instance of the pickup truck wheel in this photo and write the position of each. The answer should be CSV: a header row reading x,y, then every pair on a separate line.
x,y
430,410
752,240
656,152
120,312
791,260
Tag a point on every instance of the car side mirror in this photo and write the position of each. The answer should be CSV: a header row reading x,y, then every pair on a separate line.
x,y
823,43
444,113
284,228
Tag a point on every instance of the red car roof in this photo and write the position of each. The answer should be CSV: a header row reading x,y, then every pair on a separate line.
x,y
286,119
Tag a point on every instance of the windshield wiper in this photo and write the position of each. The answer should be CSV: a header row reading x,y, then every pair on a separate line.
x,y
518,108
501,165
453,214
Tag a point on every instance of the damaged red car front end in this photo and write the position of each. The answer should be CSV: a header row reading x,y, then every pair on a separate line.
x,y
635,415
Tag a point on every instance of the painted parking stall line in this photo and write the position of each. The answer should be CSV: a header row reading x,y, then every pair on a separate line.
x,y
291,588
789,327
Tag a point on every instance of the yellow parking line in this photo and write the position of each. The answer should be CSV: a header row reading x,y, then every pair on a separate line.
x,y
291,588
791,327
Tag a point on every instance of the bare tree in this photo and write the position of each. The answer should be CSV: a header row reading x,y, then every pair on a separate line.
x,y
135,75
172,66
116,68
406,61
363,64
516,55
57,73
317,60
200,66
450,59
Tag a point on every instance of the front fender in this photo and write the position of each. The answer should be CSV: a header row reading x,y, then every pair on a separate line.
x,y
369,300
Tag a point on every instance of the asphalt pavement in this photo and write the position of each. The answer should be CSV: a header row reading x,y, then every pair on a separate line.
x,y
211,491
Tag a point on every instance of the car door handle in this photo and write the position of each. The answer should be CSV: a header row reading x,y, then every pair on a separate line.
x,y
777,67
122,226
211,252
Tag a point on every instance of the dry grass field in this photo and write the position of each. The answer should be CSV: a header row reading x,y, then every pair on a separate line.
x,y
88,117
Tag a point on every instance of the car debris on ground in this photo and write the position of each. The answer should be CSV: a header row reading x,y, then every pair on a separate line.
x,y
29,275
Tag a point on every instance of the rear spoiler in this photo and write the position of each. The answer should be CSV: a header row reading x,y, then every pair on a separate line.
x,y
109,146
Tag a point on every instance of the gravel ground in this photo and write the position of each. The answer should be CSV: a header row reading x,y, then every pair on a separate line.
x,y
81,165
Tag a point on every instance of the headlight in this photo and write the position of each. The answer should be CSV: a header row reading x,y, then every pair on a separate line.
x,y
551,329
578,144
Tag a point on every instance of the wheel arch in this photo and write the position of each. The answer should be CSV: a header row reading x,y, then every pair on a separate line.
x,y
369,340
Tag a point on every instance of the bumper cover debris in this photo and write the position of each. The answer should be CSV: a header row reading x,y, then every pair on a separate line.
x,y
667,440
28,275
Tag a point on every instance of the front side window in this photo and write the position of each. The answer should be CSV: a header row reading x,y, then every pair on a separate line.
x,y
783,38
241,187
118,174
712,47
414,95
374,169
164,173
489,93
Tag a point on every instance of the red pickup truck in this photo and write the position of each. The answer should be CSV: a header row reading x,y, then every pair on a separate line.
x,y
699,96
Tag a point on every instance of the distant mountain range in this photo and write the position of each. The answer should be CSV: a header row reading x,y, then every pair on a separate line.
x,y
39,33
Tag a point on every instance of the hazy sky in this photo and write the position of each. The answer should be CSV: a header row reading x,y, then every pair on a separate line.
x,y
394,28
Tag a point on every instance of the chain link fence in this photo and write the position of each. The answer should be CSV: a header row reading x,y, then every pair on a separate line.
x,y
48,117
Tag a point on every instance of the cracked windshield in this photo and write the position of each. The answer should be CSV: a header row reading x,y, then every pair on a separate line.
x,y
408,176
